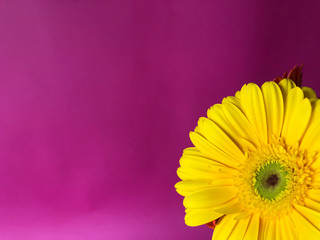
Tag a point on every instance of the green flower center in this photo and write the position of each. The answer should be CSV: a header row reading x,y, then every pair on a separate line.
x,y
270,180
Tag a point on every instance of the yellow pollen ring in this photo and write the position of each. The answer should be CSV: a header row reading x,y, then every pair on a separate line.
x,y
292,165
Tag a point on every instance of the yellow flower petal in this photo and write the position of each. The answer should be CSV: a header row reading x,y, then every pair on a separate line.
x,y
229,207
263,226
316,179
242,215
314,194
285,85
233,100
187,173
199,162
217,137
312,216
311,139
215,113
224,228
295,96
187,187
184,175
205,146
316,163
309,203
228,171
201,158
192,151
239,230
195,164
196,217
309,92
271,230
298,122
306,230
288,230
274,107
209,197
238,121
238,94
254,108
253,228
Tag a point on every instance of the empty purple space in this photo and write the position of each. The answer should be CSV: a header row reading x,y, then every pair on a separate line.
x,y
97,99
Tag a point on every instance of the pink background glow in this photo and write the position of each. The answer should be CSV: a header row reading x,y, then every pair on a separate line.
x,y
97,99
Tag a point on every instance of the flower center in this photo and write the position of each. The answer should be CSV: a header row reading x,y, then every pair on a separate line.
x,y
273,178
270,180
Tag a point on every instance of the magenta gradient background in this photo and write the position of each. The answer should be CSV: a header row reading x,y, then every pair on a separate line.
x,y
97,99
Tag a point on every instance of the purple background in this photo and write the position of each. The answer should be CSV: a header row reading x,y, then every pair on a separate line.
x,y
97,99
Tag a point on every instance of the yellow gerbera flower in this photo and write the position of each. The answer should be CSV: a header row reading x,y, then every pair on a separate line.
x,y
256,165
